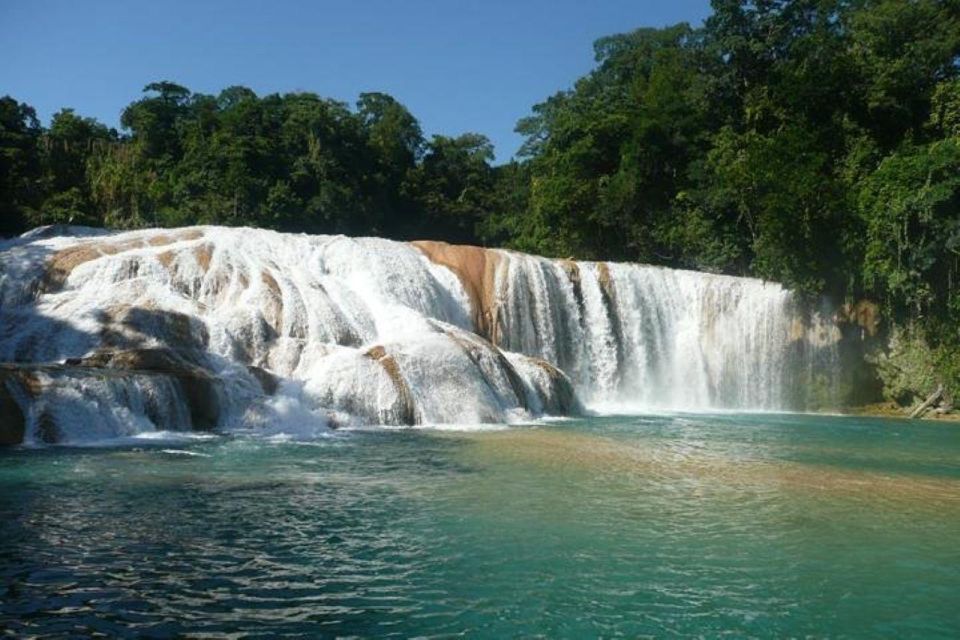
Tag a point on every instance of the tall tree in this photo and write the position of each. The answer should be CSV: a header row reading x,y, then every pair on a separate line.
x,y
68,146
452,186
20,168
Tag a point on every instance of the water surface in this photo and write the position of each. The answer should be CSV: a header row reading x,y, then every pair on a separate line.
x,y
709,525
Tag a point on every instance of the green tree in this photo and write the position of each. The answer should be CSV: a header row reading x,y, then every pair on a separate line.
x,y
785,200
452,186
395,142
902,50
911,210
68,146
20,166
153,120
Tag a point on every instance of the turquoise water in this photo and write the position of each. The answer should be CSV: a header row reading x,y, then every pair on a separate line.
x,y
684,525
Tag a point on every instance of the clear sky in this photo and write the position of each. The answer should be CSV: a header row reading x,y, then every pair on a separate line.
x,y
457,65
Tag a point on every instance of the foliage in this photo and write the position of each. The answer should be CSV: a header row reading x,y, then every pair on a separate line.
x,y
294,162
452,186
911,369
911,210
20,192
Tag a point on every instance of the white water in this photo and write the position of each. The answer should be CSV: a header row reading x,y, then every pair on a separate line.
x,y
310,308
657,337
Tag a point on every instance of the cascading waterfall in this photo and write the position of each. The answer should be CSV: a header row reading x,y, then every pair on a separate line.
x,y
212,327
652,337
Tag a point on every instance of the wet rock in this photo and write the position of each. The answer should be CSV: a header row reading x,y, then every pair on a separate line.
x,y
62,263
474,347
47,430
572,269
200,389
407,410
864,314
12,419
476,268
561,400
136,327
203,401
159,360
268,382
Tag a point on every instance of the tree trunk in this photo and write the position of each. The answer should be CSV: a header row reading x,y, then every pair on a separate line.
x,y
929,402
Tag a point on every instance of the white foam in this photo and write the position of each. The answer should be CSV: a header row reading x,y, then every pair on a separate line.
x,y
369,331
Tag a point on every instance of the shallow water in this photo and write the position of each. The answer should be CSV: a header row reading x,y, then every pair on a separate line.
x,y
679,525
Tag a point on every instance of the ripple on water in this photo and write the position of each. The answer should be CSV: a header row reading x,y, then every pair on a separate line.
x,y
684,526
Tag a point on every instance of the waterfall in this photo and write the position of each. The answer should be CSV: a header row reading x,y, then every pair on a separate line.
x,y
656,338
281,327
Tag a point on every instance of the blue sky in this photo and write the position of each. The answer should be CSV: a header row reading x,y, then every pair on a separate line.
x,y
457,65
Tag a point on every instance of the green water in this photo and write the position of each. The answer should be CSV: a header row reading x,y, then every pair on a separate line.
x,y
660,526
